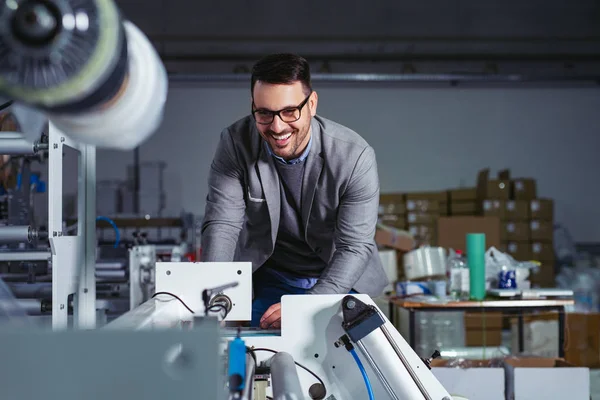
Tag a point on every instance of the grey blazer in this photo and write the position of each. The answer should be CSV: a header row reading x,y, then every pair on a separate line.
x,y
339,205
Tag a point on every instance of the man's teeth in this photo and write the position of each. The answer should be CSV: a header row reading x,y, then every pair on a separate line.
x,y
282,137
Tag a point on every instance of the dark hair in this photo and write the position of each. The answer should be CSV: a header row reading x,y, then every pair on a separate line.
x,y
282,69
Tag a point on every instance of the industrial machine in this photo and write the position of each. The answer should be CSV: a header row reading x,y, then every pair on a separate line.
x,y
75,72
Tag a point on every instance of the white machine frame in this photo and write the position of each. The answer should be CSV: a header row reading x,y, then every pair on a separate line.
x,y
310,327
73,258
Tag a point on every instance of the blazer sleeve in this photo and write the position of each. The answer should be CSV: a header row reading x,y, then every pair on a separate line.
x,y
225,205
355,228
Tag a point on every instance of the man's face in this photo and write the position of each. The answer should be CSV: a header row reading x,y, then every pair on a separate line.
x,y
287,139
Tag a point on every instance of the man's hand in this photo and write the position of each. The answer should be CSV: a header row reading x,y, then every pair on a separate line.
x,y
272,317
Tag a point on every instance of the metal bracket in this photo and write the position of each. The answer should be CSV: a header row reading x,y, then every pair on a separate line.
x,y
73,257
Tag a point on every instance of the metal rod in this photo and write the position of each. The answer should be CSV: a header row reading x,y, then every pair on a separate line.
x,y
16,146
110,274
377,370
12,234
111,265
399,78
249,381
24,255
31,290
406,364
284,376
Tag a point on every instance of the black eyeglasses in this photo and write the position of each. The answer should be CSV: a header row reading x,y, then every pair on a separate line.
x,y
290,114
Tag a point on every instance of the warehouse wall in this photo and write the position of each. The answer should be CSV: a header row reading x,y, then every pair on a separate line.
x,y
426,138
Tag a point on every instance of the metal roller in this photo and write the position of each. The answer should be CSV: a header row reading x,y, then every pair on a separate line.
x,y
12,143
284,376
110,274
12,234
31,290
110,265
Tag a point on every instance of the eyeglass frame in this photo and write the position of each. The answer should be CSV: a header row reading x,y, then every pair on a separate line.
x,y
274,114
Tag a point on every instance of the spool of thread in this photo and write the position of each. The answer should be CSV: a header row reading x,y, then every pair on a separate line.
x,y
476,263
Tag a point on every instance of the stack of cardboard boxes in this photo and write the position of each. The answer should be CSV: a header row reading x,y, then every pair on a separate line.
x,y
527,222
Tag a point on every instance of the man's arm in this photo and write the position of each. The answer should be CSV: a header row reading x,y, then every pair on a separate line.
x,y
225,206
355,228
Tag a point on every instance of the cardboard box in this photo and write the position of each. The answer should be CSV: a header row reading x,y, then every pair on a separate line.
x,y
544,277
542,251
545,378
479,320
498,189
524,189
541,209
493,208
542,231
397,221
582,345
520,251
478,380
394,238
442,197
582,337
452,231
483,337
392,203
515,231
540,335
421,218
423,206
470,207
460,195
516,210
424,234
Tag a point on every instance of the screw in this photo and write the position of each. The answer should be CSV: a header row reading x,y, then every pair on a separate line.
x,y
55,145
62,139
85,290
168,272
350,304
62,306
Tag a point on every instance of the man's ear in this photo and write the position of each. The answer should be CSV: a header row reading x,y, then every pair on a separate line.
x,y
312,103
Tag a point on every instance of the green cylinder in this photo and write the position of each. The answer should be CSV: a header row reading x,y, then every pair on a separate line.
x,y
476,263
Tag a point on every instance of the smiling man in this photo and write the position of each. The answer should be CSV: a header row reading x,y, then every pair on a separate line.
x,y
295,194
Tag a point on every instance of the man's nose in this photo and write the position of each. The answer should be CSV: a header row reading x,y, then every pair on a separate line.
x,y
277,125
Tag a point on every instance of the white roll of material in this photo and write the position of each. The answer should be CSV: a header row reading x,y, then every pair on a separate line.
x,y
425,262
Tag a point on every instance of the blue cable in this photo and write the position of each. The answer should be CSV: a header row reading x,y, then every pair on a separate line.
x,y
117,233
364,374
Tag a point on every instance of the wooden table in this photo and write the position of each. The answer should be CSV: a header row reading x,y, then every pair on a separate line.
x,y
516,306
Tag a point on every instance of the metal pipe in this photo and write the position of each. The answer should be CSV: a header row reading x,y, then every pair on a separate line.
x,y
31,290
377,370
405,362
17,233
249,381
16,146
110,274
15,143
284,376
30,306
111,265
24,255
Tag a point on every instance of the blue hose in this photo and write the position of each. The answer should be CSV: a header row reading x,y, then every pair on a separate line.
x,y
364,374
117,233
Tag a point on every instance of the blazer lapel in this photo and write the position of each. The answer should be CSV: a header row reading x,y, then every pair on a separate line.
x,y
314,166
270,184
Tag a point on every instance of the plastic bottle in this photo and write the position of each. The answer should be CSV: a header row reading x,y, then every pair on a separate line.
x,y
456,266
